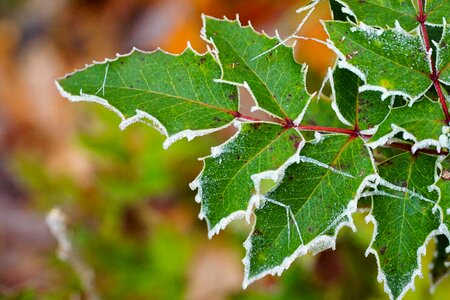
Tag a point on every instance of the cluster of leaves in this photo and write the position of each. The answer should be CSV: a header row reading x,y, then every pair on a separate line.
x,y
388,91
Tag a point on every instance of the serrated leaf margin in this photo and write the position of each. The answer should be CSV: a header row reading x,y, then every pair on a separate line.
x,y
342,61
215,52
318,244
442,229
254,201
141,116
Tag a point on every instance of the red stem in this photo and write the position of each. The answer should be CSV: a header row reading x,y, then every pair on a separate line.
x,y
421,18
328,129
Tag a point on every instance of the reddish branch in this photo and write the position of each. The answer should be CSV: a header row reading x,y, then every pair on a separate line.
x,y
434,76
328,129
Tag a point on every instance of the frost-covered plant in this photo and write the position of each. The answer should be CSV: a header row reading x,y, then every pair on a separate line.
x,y
389,92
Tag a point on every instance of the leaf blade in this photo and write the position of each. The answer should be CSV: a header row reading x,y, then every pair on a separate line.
x,y
184,101
275,79
386,60
225,184
285,227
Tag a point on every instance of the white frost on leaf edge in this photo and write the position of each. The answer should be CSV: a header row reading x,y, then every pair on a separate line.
x,y
343,63
439,50
140,115
318,244
442,142
254,201
244,84
421,251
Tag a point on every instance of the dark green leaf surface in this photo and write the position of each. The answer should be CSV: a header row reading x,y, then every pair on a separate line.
x,y
423,120
178,91
275,78
305,211
441,260
404,218
443,56
392,60
225,184
365,109
444,186
384,13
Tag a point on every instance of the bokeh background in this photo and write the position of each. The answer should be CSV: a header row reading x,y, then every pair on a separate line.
x,y
130,215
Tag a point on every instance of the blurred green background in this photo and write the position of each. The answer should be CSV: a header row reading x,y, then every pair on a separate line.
x,y
130,215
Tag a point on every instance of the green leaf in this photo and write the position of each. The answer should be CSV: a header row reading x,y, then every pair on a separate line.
x,y
436,11
305,211
444,185
422,123
225,185
443,56
177,94
384,13
405,217
364,110
392,61
441,261
275,79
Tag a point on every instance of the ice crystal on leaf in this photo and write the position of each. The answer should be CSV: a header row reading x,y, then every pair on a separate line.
x,y
388,91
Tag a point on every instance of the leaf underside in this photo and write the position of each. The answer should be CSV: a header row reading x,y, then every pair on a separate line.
x,y
370,109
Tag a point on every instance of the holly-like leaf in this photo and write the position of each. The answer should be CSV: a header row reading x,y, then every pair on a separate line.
x,y
177,94
384,13
441,260
225,185
443,56
370,109
265,66
305,211
405,217
440,267
391,61
421,123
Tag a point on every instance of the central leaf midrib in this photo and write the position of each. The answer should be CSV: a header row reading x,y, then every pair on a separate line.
x,y
257,76
317,186
168,95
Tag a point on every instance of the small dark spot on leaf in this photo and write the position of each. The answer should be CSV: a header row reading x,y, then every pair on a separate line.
x,y
310,229
232,97
256,125
383,250
217,119
202,60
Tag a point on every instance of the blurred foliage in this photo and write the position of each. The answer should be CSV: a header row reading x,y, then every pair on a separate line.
x,y
131,215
